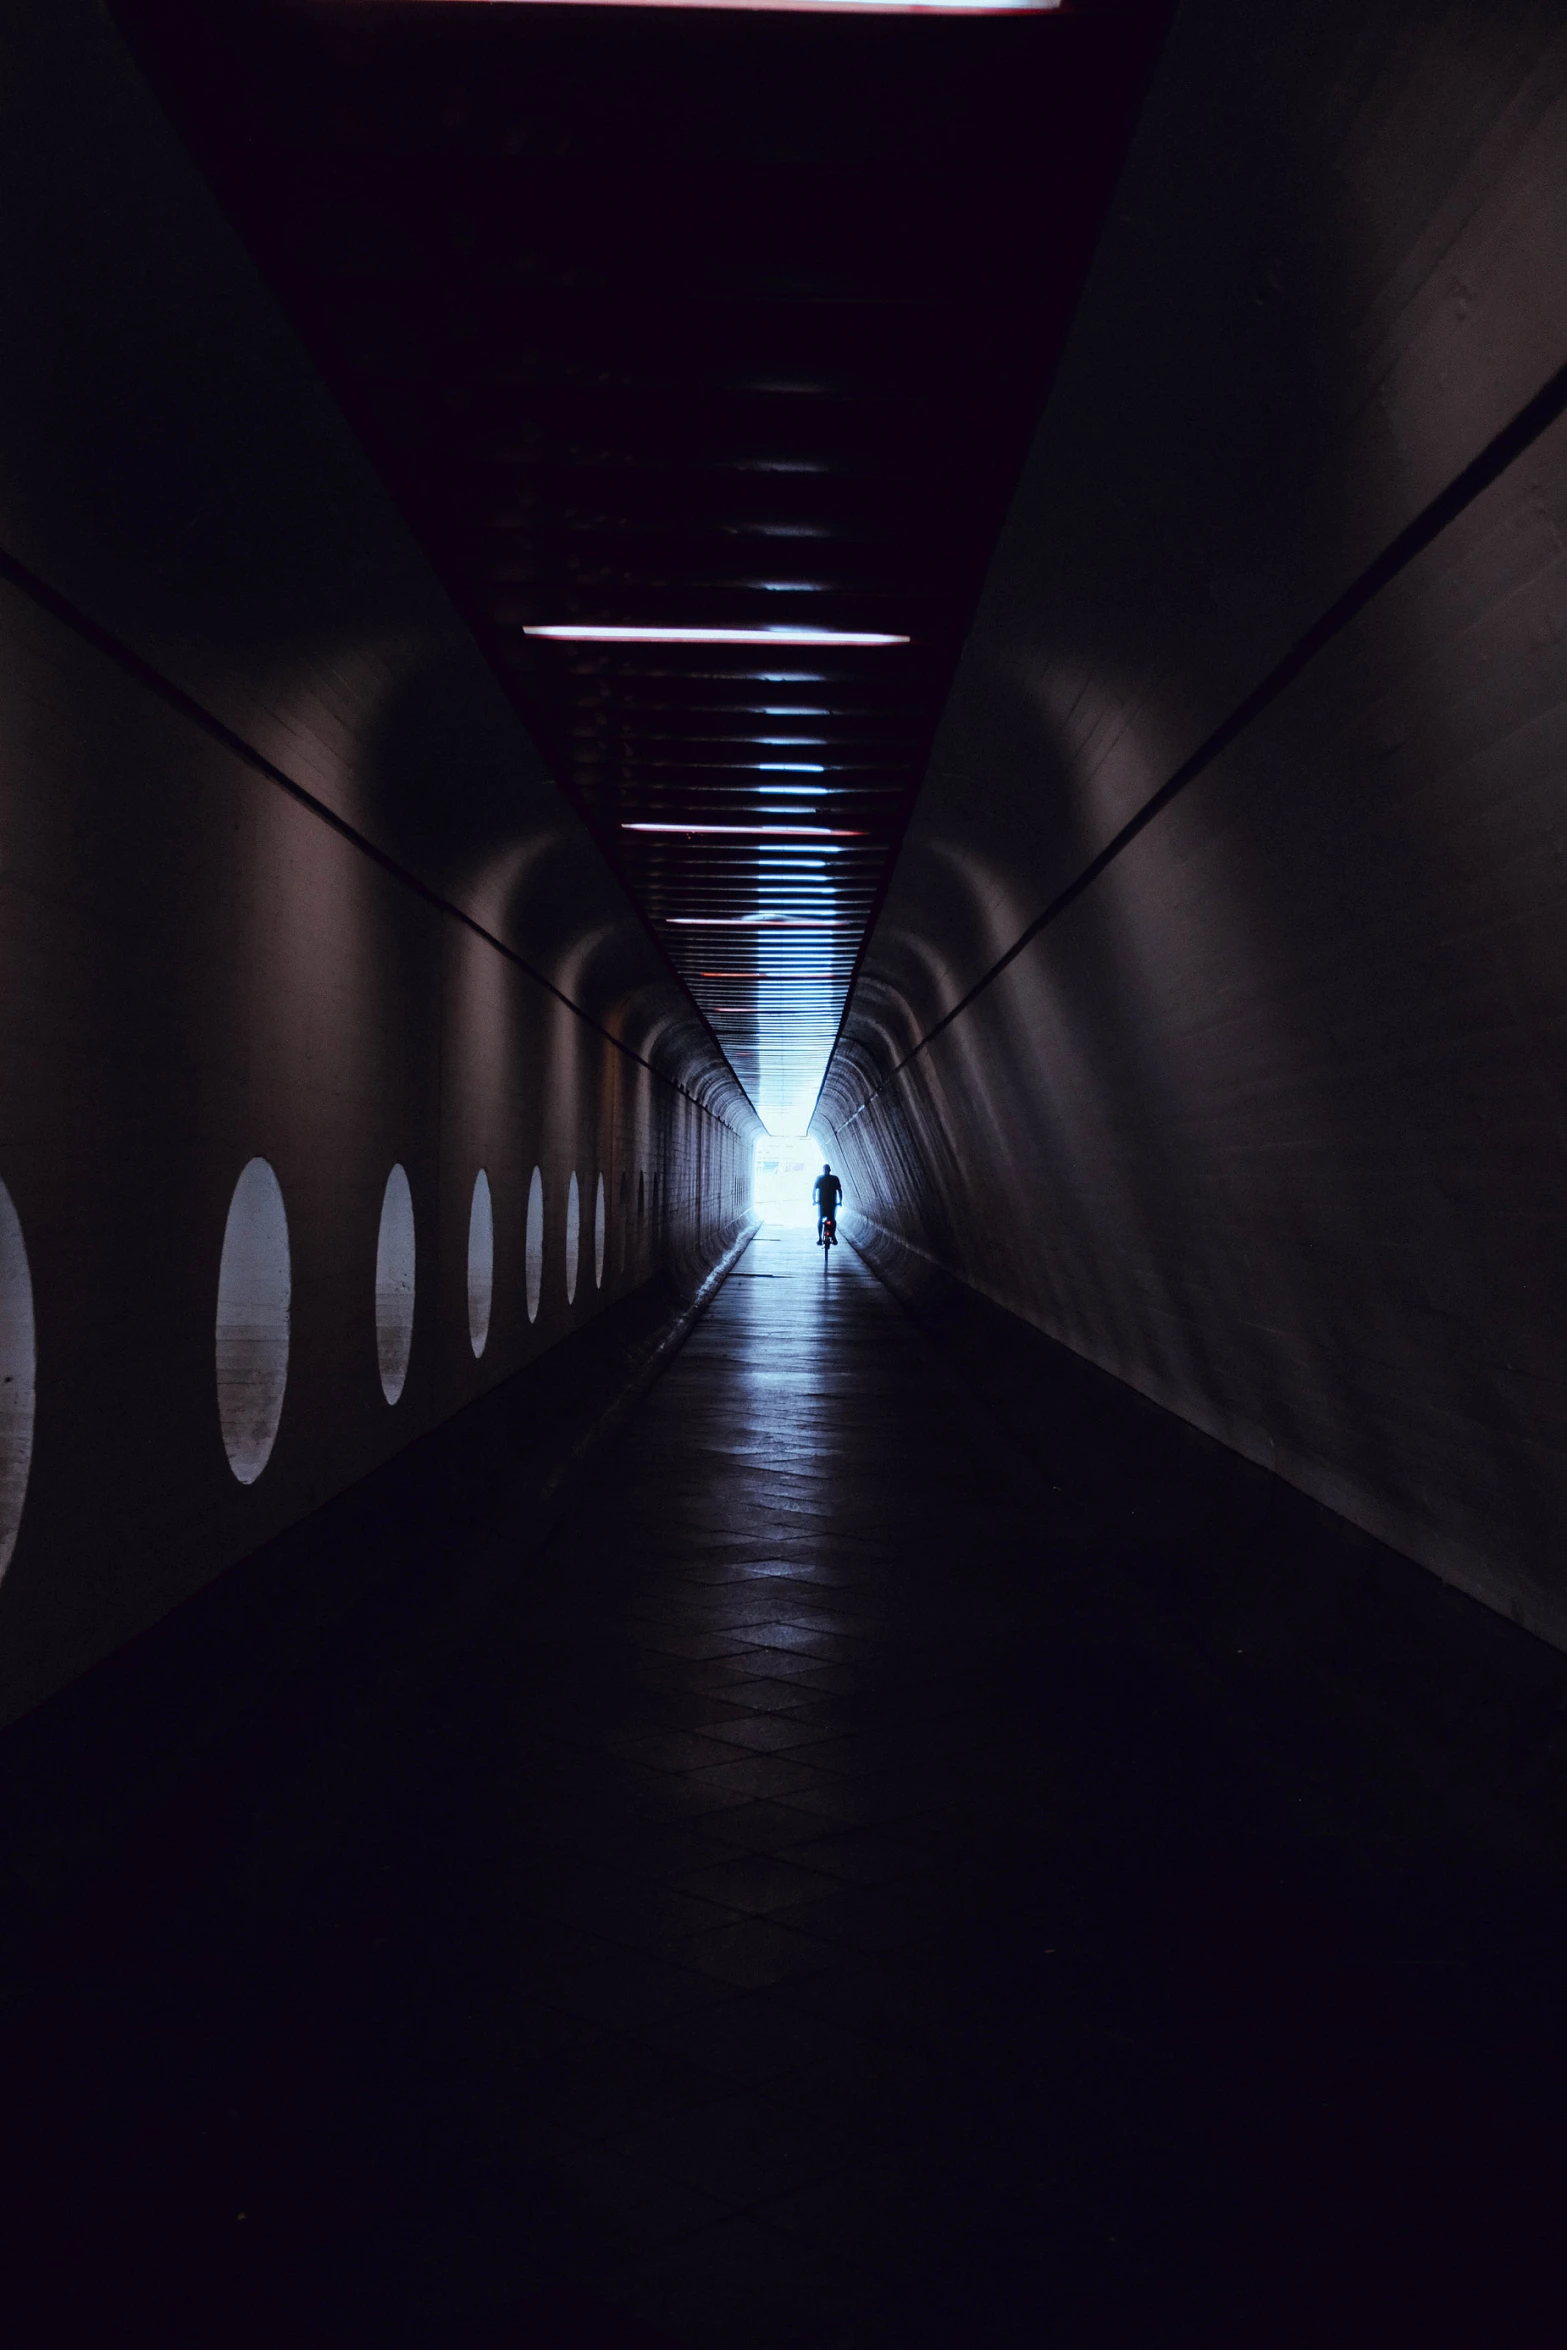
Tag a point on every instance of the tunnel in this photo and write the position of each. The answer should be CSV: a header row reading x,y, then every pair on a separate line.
x,y
616,611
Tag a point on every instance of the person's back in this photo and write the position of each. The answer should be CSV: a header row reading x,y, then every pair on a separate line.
x,y
826,1192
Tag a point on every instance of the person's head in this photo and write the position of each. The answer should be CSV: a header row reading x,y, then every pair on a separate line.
x,y
826,1170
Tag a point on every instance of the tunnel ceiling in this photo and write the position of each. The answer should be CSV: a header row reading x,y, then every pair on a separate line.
x,y
690,320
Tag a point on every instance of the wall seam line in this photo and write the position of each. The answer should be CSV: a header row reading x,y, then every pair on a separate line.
x,y
1514,440
185,705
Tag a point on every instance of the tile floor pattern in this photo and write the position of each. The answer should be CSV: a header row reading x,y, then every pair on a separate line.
x,y
818,1917
753,1726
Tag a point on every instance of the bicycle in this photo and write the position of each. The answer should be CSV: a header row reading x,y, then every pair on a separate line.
x,y
829,1240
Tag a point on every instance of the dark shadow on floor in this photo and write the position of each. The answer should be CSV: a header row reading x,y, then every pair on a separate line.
x,y
845,1896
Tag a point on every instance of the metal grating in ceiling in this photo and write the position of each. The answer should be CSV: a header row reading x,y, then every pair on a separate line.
x,y
688,321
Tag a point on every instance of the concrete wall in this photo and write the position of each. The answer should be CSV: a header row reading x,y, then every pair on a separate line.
x,y
281,874
1261,1103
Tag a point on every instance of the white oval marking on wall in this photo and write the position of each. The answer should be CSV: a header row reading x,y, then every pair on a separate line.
x,y
255,1284
533,1255
394,1283
18,1375
481,1263
573,1237
598,1235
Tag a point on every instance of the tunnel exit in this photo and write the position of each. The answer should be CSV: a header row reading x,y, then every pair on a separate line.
x,y
786,1167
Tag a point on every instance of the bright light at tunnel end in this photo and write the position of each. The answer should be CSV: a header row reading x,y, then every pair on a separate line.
x,y
785,1167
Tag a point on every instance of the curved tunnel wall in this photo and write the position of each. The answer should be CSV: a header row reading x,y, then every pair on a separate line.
x,y
1215,1020
282,879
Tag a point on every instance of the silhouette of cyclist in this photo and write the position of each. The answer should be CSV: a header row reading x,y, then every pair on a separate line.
x,y
826,1192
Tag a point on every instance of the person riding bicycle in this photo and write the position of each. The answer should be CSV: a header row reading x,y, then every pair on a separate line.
x,y
826,1192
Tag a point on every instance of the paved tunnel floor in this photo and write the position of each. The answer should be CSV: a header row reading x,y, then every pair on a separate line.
x,y
817,1917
